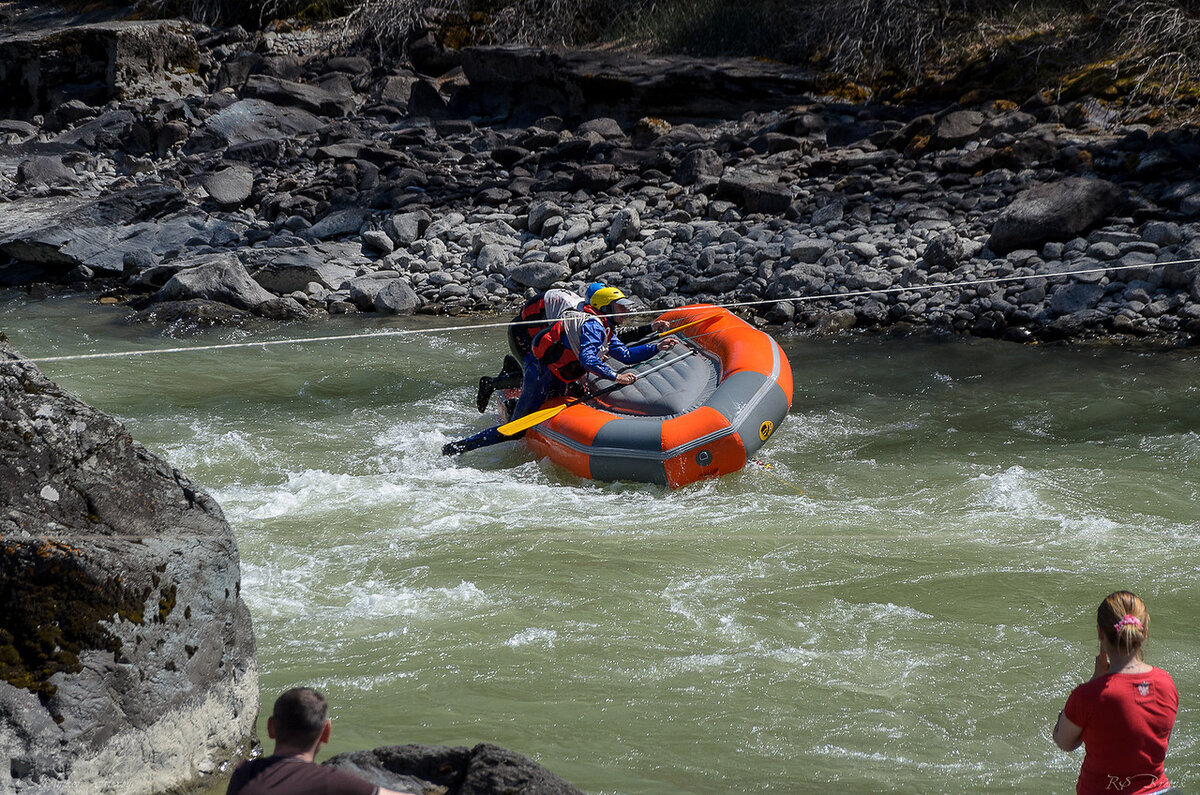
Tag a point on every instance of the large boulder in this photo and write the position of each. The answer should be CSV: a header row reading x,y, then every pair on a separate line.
x,y
1055,211
251,120
291,94
443,770
220,277
41,69
127,659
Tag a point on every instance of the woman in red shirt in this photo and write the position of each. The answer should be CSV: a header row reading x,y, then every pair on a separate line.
x,y
1123,715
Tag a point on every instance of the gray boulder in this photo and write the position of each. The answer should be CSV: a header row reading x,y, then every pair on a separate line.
x,y
251,120
443,770
45,170
1068,299
626,225
338,223
956,128
298,95
220,277
539,275
128,656
230,186
396,298
1056,211
404,228
698,163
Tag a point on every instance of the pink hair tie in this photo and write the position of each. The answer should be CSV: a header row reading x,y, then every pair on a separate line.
x,y
1127,620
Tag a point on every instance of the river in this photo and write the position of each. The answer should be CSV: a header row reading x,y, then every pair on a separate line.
x,y
899,599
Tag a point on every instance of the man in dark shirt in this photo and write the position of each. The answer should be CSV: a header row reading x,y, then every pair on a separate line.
x,y
299,725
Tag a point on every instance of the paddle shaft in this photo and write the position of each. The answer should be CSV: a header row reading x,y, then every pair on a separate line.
x,y
658,334
538,417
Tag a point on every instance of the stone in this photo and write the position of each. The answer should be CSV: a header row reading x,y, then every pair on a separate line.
x,y
252,120
539,275
220,277
128,573
956,128
230,186
287,270
698,163
539,211
626,225
396,298
287,93
45,170
1071,298
809,251
339,223
405,228
766,197
1053,211
482,770
44,69
613,263
944,252
377,240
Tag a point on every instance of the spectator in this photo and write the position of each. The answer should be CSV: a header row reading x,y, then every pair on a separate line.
x,y
1123,715
299,725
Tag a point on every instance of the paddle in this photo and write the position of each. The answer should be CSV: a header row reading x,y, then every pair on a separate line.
x,y
538,417
658,334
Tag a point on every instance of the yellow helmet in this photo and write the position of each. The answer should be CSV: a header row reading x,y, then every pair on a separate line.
x,y
605,296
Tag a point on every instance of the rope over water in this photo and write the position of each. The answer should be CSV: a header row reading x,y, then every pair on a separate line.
x,y
505,324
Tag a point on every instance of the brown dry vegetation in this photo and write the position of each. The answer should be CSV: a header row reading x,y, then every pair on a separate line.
x,y
1139,50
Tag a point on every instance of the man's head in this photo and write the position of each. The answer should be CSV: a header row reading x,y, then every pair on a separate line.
x,y
299,719
611,302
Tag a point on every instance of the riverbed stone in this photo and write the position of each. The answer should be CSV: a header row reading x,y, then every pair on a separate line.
x,y
220,277
1053,211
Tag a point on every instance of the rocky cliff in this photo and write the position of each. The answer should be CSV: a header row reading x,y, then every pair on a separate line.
x,y
127,659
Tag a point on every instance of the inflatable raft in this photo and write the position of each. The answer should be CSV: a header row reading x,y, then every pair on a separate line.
x,y
707,406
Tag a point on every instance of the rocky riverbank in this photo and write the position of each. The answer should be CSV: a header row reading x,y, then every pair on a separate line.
x,y
208,176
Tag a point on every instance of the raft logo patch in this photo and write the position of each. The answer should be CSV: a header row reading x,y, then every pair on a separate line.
x,y
764,430
1143,688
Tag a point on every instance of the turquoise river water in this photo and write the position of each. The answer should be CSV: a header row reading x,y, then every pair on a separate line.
x,y
900,603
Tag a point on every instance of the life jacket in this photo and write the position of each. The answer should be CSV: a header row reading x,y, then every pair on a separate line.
x,y
553,346
547,307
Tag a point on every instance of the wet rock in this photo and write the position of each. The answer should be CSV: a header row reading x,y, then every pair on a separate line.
x,y
428,769
119,606
396,298
220,277
290,270
1055,211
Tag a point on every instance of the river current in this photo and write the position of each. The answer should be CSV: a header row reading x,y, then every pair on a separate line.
x,y
898,598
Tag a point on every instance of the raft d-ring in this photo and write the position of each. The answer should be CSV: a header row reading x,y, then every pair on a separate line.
x,y
703,458
764,430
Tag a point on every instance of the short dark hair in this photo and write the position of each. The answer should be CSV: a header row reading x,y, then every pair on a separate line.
x,y
300,716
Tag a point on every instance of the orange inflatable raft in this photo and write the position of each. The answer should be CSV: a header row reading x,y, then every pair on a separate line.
x,y
701,410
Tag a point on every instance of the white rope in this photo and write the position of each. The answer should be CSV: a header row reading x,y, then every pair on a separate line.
x,y
505,324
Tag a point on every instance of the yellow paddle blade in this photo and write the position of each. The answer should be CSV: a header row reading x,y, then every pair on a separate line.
x,y
529,420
